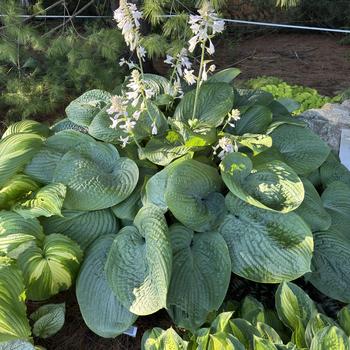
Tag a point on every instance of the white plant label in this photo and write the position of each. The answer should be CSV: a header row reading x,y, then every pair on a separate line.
x,y
345,148
132,331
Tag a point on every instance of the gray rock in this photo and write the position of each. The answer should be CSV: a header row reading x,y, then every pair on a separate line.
x,y
329,121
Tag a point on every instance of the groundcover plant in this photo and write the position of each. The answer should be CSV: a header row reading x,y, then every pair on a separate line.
x,y
151,199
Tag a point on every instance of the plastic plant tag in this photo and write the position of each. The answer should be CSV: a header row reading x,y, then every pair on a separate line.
x,y
345,148
132,331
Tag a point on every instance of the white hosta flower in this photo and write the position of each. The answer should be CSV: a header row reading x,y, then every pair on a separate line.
x,y
141,52
117,106
115,121
204,27
226,147
212,68
124,140
128,126
169,60
189,77
130,64
154,129
128,19
180,62
234,115
136,115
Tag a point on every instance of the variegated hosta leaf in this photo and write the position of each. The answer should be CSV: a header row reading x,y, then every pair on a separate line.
x,y
221,322
317,323
16,150
48,320
17,345
330,338
158,339
151,339
84,227
139,263
301,148
214,102
244,331
102,311
51,267
17,187
255,142
82,110
27,126
272,185
95,176
193,195
200,276
264,246
254,120
268,333
293,305
332,170
263,344
330,264
344,319
47,202
17,232
13,318
312,210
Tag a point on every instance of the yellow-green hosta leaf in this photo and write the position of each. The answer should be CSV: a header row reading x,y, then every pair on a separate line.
x,y
170,340
13,318
17,187
151,339
298,335
221,322
215,101
344,319
51,267
27,126
48,320
300,147
317,323
17,232
312,210
47,202
101,310
244,331
193,195
268,333
16,150
255,142
263,344
82,110
139,263
200,276
252,310
289,346
84,227
272,185
330,338
293,305
266,246
17,345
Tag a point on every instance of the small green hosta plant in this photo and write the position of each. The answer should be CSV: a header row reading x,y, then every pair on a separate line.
x,y
250,326
152,198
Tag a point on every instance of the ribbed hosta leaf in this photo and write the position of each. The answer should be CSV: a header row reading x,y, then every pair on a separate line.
x,y
265,246
16,150
50,268
312,210
15,188
255,120
301,148
215,101
27,126
330,338
47,202
316,324
13,318
332,170
48,320
255,142
200,277
193,195
246,98
272,185
95,176
17,345
84,227
102,311
66,124
330,263
82,110
139,263
16,231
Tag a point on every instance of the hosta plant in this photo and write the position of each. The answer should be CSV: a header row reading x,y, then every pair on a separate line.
x,y
295,324
152,198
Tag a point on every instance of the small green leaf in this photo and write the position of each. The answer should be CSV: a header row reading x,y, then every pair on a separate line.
x,y
344,319
224,76
252,310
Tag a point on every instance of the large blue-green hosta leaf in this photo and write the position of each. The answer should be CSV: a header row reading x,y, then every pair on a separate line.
x,y
17,232
224,76
312,210
272,185
47,202
13,318
139,263
200,276
84,227
18,345
27,126
193,195
215,101
332,170
16,150
102,311
330,338
51,267
265,246
82,110
300,148
330,264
